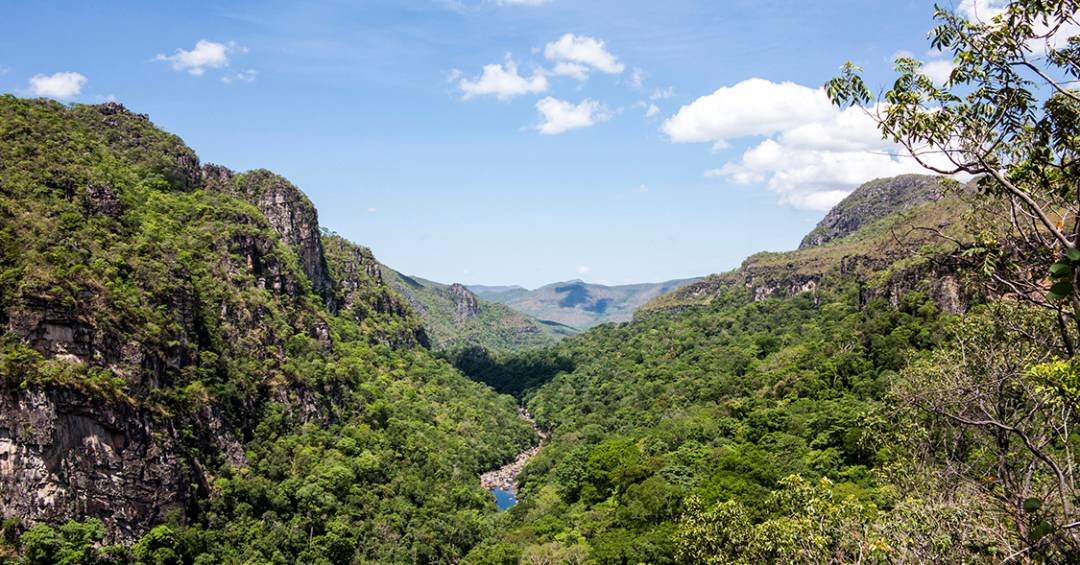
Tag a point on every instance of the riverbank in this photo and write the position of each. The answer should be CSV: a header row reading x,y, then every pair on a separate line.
x,y
505,477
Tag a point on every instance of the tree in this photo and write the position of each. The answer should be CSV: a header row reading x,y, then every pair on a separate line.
x,y
998,412
1008,115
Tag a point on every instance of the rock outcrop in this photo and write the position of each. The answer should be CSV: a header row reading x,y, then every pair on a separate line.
x,y
465,303
289,212
873,201
64,454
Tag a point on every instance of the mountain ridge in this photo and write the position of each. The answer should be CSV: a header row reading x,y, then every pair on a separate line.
x,y
579,304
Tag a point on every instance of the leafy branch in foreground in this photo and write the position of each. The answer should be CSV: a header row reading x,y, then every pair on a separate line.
x,y
1008,115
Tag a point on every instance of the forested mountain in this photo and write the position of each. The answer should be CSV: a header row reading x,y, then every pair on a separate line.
x,y
455,317
774,413
576,303
187,364
194,371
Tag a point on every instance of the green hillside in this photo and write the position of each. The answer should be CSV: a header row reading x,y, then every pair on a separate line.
x,y
455,317
766,414
187,369
579,304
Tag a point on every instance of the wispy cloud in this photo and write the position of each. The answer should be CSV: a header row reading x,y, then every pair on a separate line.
x,y
247,75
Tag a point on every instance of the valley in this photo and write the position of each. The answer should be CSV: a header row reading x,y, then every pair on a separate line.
x,y
195,368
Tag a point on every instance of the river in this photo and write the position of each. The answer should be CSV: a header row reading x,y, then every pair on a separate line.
x,y
502,482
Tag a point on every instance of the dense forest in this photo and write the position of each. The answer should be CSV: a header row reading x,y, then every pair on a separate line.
x,y
192,370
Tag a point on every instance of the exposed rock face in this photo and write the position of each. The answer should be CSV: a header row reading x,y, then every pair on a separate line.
x,y
465,304
102,199
363,292
796,284
289,212
63,454
873,201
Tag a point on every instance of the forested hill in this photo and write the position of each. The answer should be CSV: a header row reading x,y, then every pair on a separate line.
x,y
579,304
776,414
889,234
455,317
189,367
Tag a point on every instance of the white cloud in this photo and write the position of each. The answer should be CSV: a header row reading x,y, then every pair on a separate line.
x,y
503,82
751,107
560,116
583,269
938,71
637,78
247,75
4,71
574,70
652,110
583,50
643,189
813,153
58,85
372,210
205,55
522,2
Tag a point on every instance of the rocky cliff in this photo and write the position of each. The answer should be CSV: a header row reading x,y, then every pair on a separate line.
x,y
156,316
289,212
465,304
873,201
882,239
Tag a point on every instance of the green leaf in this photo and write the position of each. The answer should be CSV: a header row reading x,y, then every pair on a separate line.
x,y
1060,290
1061,270
1073,255
1032,505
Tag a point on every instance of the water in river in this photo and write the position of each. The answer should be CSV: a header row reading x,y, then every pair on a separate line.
x,y
504,499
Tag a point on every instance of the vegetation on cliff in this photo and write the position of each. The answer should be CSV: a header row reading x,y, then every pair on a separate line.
x,y
284,402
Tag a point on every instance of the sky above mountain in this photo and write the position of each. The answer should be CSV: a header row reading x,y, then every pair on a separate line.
x,y
506,141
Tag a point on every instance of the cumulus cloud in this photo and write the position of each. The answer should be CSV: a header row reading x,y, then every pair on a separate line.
x,y
751,107
583,50
58,85
560,116
205,55
503,82
813,153
574,70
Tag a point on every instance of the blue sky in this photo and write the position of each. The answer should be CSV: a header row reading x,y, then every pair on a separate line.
x,y
418,127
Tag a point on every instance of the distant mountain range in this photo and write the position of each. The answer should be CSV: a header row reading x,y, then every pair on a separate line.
x,y
453,317
579,304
